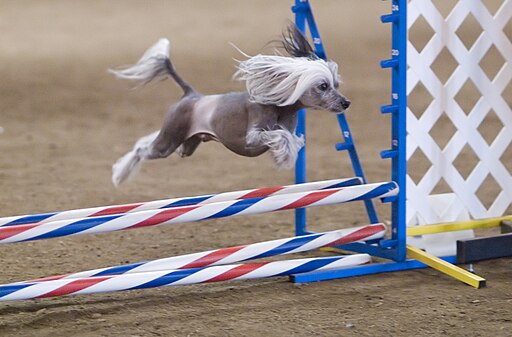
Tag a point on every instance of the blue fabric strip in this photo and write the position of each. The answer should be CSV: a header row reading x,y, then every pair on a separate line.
x,y
166,279
309,266
188,201
287,246
77,227
235,208
30,219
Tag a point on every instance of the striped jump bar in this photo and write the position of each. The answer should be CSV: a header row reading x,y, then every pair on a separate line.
x,y
112,283
177,202
239,253
108,223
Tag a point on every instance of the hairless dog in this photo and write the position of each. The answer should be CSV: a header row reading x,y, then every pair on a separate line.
x,y
249,123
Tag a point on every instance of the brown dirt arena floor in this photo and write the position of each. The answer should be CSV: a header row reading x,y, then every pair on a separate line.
x,y
65,121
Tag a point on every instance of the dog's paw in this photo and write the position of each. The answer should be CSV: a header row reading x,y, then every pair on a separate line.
x,y
125,167
285,148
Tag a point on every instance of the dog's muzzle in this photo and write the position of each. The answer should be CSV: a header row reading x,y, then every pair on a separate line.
x,y
345,103
341,105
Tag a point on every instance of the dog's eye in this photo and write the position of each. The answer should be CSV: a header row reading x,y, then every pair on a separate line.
x,y
324,86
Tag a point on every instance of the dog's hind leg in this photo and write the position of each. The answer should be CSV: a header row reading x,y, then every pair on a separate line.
x,y
189,146
153,146
159,144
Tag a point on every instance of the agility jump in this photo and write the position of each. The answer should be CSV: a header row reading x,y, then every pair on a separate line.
x,y
266,117
218,265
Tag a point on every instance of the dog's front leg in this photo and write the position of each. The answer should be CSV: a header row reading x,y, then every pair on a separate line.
x,y
283,145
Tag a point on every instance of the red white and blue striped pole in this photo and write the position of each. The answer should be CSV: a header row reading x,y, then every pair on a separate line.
x,y
111,283
108,223
240,253
177,202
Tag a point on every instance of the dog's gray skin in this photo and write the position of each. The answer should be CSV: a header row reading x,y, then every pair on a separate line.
x,y
243,126
224,118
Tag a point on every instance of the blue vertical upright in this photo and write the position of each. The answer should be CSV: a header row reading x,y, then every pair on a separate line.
x,y
398,110
304,16
300,165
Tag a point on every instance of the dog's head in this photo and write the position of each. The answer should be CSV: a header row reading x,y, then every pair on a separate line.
x,y
303,78
322,92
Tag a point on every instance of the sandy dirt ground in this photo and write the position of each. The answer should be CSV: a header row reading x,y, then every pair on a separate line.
x,y
65,120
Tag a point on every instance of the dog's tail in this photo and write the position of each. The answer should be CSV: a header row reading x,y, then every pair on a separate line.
x,y
153,65
129,164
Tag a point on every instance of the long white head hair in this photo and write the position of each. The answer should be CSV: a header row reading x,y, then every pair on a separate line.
x,y
281,80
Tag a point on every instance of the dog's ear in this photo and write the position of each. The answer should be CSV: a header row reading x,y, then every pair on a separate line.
x,y
296,44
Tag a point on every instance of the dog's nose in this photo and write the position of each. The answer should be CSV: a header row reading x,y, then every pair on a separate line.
x,y
345,103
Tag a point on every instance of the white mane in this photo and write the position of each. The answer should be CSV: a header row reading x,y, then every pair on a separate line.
x,y
281,80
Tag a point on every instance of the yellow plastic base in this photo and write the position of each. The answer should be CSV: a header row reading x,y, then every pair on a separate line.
x,y
445,267
456,226
435,263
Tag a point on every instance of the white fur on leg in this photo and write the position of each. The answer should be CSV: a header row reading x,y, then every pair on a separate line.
x,y
145,142
127,166
284,146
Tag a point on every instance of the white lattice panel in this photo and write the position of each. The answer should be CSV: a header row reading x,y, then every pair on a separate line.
x,y
444,105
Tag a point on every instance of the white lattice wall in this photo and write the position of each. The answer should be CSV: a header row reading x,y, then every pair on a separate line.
x,y
459,118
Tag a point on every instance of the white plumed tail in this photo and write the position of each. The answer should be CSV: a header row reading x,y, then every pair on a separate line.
x,y
151,66
128,165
